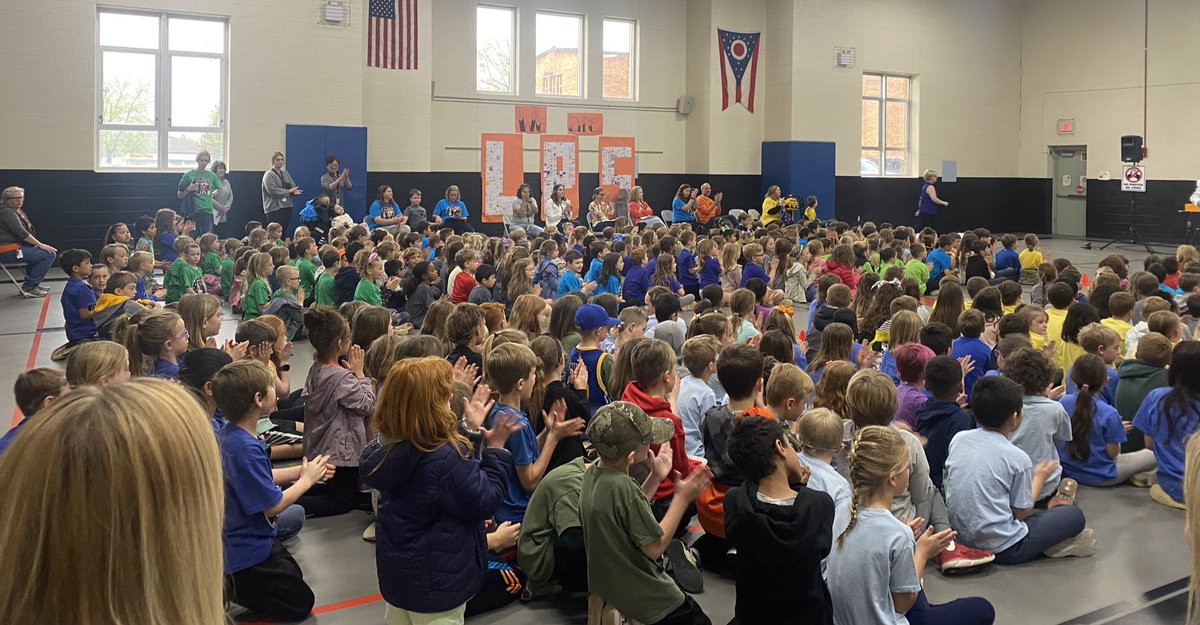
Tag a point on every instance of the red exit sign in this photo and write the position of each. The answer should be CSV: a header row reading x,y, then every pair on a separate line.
x,y
1066,126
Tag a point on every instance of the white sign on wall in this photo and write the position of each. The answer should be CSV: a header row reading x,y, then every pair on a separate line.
x,y
1133,178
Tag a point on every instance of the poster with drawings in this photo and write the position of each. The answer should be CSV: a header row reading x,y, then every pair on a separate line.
x,y
502,170
560,165
618,164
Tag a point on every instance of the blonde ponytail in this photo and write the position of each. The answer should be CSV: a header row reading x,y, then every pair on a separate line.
x,y
876,454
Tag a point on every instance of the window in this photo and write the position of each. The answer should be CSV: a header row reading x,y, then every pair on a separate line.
x,y
559,50
618,59
162,92
886,116
495,49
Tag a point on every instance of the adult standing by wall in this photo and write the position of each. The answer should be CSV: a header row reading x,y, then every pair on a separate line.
x,y
278,189
334,183
639,209
18,244
385,213
927,207
683,207
524,208
772,206
222,197
196,189
453,211
558,207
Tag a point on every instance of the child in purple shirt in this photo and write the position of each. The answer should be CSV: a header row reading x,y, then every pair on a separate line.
x,y
910,395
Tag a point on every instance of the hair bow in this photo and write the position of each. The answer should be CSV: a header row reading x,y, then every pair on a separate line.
x,y
374,257
894,282
787,310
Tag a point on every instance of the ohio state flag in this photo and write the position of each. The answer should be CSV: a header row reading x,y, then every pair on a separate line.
x,y
738,51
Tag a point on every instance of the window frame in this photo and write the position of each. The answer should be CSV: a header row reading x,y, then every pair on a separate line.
x,y
633,58
581,56
515,48
163,56
882,99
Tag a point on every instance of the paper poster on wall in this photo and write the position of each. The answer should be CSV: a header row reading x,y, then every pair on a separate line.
x,y
531,120
585,123
618,164
502,168
560,165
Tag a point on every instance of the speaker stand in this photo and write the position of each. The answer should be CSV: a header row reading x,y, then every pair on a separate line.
x,y
1131,232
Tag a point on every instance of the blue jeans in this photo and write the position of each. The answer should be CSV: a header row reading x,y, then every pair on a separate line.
x,y
204,223
289,522
965,611
1046,529
37,263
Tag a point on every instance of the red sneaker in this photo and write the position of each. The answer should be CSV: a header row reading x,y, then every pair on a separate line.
x,y
958,558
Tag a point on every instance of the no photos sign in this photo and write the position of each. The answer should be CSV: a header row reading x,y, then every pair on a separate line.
x,y
1133,178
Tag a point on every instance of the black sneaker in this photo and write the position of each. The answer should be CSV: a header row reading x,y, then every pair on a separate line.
x,y
681,566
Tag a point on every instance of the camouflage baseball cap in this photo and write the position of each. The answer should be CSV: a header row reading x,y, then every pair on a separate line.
x,y
621,427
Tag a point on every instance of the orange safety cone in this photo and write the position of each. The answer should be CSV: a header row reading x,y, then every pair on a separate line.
x,y
1086,283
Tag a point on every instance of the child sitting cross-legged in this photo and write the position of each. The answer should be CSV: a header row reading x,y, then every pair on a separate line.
x,y
512,372
740,370
875,570
265,578
782,530
820,432
940,418
1093,456
871,400
695,396
1167,418
624,541
991,485
1044,423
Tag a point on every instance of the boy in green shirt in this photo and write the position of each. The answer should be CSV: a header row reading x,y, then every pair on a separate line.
x,y
185,276
325,294
200,184
306,250
916,268
624,542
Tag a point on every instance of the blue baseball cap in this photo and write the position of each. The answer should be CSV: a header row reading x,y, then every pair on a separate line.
x,y
592,316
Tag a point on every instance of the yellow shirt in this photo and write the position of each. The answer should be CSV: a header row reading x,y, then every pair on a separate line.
x,y
771,211
1122,328
1008,310
1030,259
810,213
1070,353
1054,327
1038,340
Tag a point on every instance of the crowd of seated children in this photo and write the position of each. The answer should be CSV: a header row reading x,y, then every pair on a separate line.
x,y
709,415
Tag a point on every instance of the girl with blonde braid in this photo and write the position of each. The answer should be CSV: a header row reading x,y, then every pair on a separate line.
x,y
876,565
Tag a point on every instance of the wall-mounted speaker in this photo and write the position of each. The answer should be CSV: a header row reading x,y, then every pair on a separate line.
x,y
1131,148
684,104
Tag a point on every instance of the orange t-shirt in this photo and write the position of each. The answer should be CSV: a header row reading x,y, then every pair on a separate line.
x,y
705,208
710,503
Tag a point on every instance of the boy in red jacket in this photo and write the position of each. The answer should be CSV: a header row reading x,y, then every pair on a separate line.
x,y
464,280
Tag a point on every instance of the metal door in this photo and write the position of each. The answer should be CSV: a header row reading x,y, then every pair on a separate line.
x,y
1068,181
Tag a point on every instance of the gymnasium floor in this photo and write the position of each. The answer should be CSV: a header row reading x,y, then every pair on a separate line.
x,y
1137,576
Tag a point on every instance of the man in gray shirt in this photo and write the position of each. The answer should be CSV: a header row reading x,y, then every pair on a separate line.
x,y
333,183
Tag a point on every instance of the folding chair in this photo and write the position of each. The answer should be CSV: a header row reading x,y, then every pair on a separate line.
x,y
12,279
665,216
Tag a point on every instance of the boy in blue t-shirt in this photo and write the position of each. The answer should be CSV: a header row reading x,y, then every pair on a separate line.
x,y
686,267
594,324
78,298
570,280
512,372
265,579
1008,262
990,484
940,263
971,323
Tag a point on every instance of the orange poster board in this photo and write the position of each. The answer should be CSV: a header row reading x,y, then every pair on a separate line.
x,y
531,120
502,168
618,164
560,165
585,123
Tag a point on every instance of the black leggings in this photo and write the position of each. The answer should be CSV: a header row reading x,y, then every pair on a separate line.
x,y
339,495
273,588
501,586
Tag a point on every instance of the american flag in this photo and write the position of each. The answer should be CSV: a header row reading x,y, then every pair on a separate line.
x,y
392,34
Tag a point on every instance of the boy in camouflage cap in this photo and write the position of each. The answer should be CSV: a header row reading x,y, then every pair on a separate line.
x,y
624,542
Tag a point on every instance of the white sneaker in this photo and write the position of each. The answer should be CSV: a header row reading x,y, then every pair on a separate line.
x,y
1080,546
369,533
